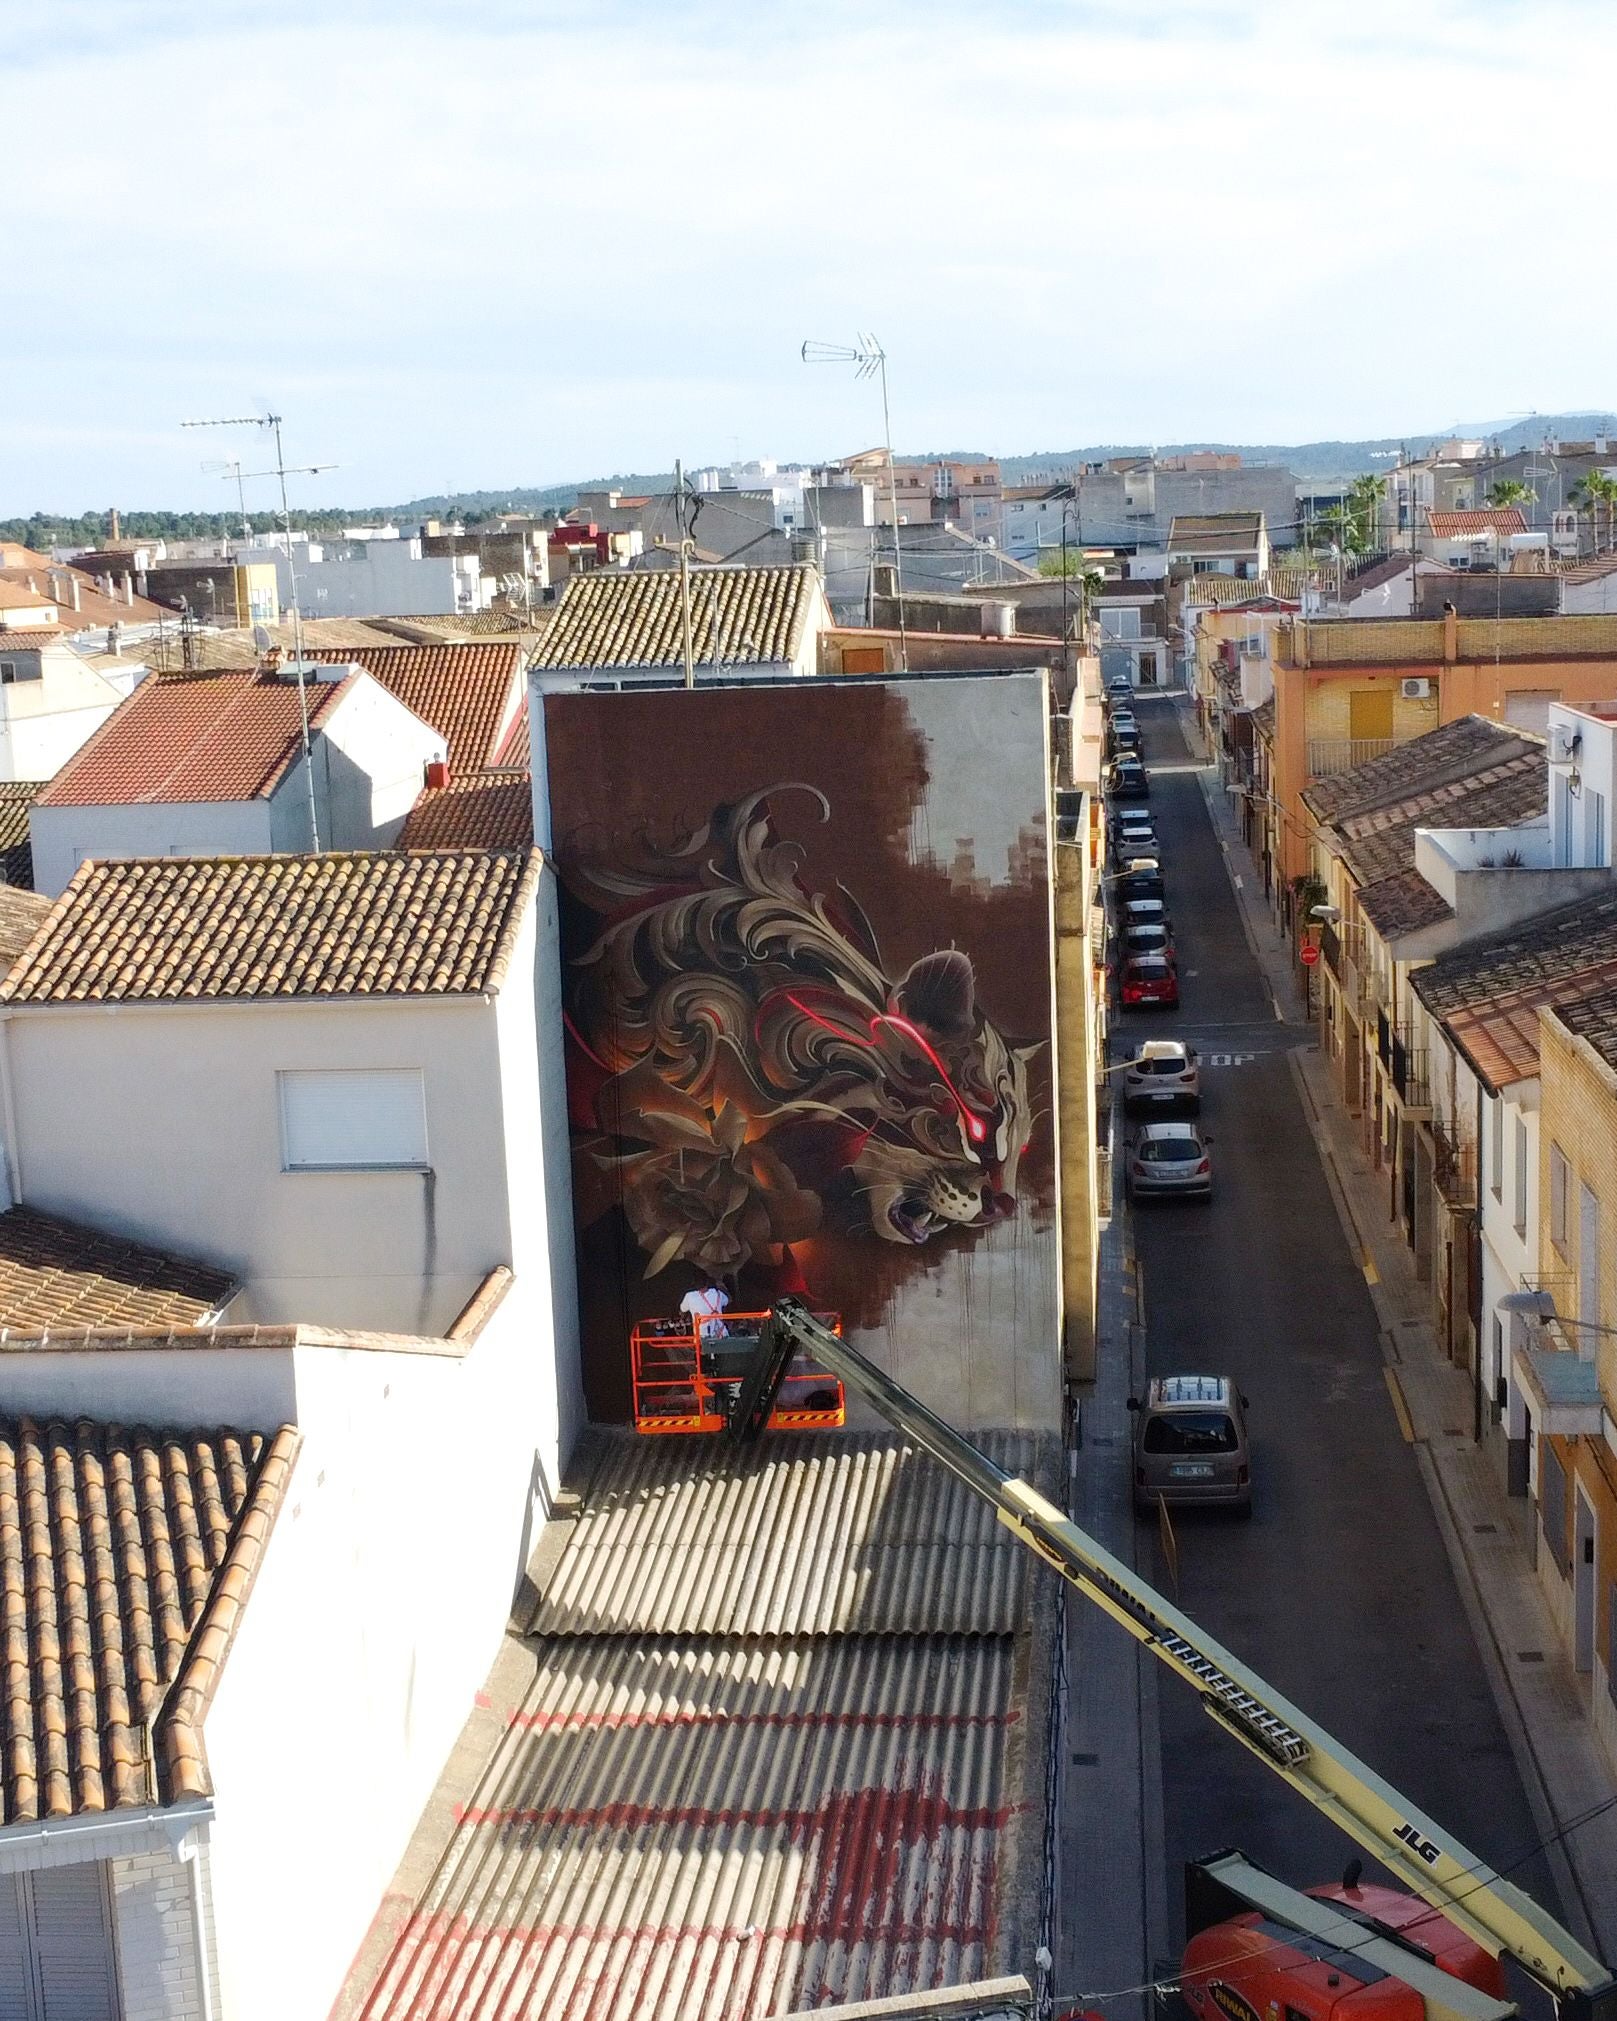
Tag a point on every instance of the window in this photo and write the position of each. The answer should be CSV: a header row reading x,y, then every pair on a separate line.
x,y
1520,1214
1190,1432
1552,1505
1588,1256
19,670
1496,1146
1560,1182
370,1120
56,1949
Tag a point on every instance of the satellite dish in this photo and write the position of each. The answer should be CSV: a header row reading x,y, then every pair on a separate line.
x,y
262,639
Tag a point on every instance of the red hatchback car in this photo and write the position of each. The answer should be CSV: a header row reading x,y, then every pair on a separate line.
x,y
1149,979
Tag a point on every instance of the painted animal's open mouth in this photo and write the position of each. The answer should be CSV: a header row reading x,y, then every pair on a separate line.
x,y
912,1220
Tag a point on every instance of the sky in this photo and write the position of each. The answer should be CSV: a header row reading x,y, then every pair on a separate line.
x,y
526,243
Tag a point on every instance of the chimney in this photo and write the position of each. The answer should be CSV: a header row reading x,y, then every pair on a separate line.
x,y
114,636
73,591
112,523
437,772
1451,634
128,587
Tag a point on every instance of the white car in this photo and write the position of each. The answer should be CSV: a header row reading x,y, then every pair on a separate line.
x,y
1170,1160
1164,1076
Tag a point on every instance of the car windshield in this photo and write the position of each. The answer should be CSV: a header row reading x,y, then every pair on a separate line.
x,y
1190,1431
1151,970
1159,1066
1169,1150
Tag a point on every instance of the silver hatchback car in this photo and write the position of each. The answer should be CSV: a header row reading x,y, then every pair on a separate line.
x,y
1191,1444
1163,1076
1170,1159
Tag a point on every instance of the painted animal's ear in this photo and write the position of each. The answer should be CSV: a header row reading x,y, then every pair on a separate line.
x,y
940,994
1022,1054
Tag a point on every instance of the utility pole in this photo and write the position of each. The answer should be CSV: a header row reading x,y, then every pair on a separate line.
x,y
685,545
281,472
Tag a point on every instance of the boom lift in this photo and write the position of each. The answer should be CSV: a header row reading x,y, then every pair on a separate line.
x,y
1368,1935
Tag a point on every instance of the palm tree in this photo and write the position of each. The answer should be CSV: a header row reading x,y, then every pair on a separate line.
x,y
1363,512
1597,490
1510,491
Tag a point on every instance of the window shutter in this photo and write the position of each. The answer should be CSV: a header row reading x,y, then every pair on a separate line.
x,y
73,1943
363,1120
1552,1504
15,1969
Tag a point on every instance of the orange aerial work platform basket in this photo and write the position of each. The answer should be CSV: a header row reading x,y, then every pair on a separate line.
x,y
685,1381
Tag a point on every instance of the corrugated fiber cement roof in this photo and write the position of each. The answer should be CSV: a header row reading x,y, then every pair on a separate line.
x,y
779,1750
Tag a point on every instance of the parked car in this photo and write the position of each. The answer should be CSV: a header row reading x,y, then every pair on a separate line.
x,y
1144,912
1134,834
1126,741
1119,688
1140,877
1152,940
1149,981
1129,780
1191,1444
1170,1158
1164,1074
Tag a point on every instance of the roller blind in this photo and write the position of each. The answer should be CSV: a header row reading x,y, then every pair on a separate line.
x,y
369,1119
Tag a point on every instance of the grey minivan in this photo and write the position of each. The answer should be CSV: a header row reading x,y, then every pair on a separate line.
x,y
1191,1445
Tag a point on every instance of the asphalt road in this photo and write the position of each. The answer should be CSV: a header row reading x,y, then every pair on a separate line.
x,y
1338,1591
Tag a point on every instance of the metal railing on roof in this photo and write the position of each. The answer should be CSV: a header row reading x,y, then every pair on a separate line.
x,y
1329,755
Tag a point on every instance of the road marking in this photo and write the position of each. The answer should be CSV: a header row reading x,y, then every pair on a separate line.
x,y
1400,1408
1230,1059
1239,885
1368,1266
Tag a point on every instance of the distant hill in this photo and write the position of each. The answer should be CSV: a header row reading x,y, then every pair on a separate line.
x,y
1316,462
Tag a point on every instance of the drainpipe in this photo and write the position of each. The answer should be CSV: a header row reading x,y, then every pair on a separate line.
x,y
1476,1387
191,1860
8,1117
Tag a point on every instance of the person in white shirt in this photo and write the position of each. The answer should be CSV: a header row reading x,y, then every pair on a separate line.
x,y
706,1308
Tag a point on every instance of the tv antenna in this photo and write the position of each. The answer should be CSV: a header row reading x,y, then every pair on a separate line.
x,y
227,467
281,471
869,361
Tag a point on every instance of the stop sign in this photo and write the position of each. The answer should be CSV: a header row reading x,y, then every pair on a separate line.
x,y
1309,954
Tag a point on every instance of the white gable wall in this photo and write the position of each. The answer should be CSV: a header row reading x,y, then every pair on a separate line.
x,y
375,1618
163,1121
65,837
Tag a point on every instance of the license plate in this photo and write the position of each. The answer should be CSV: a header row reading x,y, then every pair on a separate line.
x,y
1190,1473
1163,1094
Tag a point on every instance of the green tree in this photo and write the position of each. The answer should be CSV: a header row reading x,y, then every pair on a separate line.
x,y
1598,493
1361,515
1510,491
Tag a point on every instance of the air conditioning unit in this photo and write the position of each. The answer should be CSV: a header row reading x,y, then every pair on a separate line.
x,y
1565,743
1415,690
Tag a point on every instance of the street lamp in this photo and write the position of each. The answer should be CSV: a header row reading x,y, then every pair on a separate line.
x,y
1540,1305
869,360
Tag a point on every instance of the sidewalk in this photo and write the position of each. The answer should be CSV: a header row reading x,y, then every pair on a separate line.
x,y
1488,1534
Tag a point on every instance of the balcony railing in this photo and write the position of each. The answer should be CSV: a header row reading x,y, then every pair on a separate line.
x,y
1327,755
1410,1069
1454,1158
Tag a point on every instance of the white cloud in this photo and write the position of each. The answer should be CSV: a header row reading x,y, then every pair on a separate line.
x,y
535,243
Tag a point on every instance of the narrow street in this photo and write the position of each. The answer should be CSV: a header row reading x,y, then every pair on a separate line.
x,y
1338,1590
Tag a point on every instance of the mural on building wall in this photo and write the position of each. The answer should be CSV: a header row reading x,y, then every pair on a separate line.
x,y
805,1050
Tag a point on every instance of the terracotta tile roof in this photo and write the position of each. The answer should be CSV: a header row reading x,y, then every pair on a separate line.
x,y
30,638
486,810
1381,841
189,737
176,929
126,1556
17,797
1263,719
22,913
468,692
95,608
18,596
1461,525
1557,947
1593,1016
610,618
1457,750
1402,903
57,1274
1500,1036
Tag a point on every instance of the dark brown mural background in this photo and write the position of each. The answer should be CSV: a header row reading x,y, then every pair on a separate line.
x,y
808,1029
